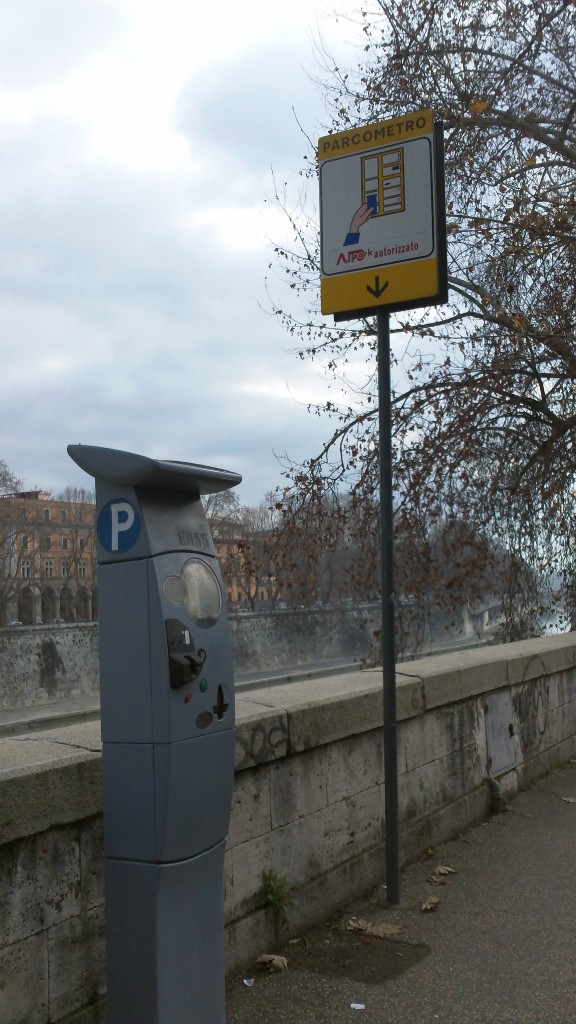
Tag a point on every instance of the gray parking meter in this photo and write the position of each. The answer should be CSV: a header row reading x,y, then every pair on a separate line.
x,y
167,704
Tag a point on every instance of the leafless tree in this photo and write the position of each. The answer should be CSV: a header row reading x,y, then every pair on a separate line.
x,y
484,399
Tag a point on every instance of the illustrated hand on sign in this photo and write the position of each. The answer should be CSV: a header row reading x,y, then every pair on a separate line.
x,y
359,218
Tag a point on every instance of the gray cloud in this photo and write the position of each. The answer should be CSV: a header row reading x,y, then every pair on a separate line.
x,y
127,318
245,109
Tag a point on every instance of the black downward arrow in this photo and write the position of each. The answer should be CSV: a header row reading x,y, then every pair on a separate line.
x,y
377,291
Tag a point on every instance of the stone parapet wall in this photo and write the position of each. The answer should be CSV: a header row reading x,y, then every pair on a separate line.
x,y
308,803
48,664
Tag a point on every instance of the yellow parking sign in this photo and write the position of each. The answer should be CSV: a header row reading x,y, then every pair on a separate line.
x,y
382,219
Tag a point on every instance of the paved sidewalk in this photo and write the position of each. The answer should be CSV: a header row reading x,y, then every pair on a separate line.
x,y
500,948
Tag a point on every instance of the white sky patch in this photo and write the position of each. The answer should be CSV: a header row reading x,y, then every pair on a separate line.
x,y
310,392
124,94
137,139
236,228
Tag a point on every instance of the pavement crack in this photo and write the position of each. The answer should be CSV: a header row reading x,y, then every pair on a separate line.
x,y
55,742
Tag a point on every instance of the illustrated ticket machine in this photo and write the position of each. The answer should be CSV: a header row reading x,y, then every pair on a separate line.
x,y
167,703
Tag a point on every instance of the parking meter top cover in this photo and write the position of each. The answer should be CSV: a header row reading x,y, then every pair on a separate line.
x,y
148,506
120,467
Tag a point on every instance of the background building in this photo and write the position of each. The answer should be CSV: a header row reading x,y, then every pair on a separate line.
x,y
247,564
47,559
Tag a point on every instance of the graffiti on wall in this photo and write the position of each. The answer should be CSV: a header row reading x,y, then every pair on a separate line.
x,y
531,701
261,742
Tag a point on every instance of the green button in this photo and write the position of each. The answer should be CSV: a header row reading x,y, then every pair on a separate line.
x,y
203,685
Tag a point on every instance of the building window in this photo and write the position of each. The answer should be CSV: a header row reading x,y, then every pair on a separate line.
x,y
23,513
47,541
46,514
81,570
63,515
65,570
49,567
25,569
82,543
65,543
25,540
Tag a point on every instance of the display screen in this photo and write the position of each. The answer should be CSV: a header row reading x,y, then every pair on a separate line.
x,y
196,588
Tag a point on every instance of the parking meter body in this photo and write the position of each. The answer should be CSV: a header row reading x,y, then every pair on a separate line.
x,y
167,706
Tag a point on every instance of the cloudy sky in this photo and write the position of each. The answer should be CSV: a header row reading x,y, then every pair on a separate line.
x,y
137,139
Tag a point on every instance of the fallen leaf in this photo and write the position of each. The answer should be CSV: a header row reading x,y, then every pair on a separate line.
x,y
379,930
273,962
436,880
569,799
444,869
430,903
384,929
356,924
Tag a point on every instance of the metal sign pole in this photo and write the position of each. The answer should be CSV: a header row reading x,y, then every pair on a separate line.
x,y
387,587
382,250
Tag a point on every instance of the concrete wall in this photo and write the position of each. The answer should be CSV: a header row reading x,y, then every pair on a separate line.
x,y
308,803
49,664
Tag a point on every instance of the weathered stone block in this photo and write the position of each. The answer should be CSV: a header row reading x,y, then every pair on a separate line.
x,y
76,961
251,811
92,863
41,663
261,734
350,827
293,852
533,659
39,883
229,901
298,786
567,687
349,708
439,783
440,732
354,764
54,786
248,861
24,981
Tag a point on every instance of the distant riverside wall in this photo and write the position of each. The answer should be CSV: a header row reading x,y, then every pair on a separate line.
x,y
47,664
308,802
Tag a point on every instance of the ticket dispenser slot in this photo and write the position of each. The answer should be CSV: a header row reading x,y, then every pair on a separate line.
x,y
167,711
185,662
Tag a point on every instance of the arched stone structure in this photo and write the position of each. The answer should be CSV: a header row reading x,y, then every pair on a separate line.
x,y
29,606
67,604
50,605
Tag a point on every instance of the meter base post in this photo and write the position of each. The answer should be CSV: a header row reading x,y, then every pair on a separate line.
x,y
165,940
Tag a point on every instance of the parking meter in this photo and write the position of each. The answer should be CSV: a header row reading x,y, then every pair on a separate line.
x,y
167,705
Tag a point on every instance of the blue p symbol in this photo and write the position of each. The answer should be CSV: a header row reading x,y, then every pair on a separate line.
x,y
118,526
